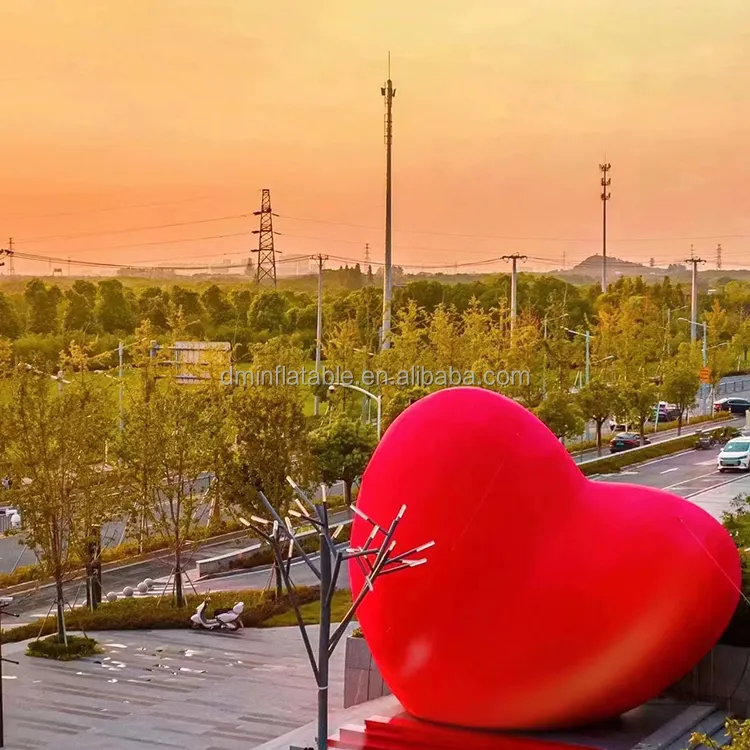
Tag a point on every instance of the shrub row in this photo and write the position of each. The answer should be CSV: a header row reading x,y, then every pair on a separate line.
x,y
146,614
77,647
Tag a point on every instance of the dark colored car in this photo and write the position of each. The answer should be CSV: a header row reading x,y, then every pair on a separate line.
x,y
625,441
735,404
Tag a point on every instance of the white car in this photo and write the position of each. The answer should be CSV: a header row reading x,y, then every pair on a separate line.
x,y
735,455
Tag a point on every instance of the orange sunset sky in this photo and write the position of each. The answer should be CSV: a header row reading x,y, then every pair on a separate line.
x,y
120,115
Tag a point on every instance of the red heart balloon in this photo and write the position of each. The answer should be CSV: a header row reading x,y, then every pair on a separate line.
x,y
548,600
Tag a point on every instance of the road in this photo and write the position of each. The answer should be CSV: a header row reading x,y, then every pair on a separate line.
x,y
37,602
659,436
691,475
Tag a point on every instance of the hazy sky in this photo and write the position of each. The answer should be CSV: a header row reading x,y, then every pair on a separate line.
x,y
503,113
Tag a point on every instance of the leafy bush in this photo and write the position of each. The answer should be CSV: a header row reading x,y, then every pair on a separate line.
x,y
147,613
23,574
77,647
357,633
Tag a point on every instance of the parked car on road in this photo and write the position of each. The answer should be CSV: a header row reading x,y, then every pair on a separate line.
x,y
734,404
666,413
735,455
625,441
618,425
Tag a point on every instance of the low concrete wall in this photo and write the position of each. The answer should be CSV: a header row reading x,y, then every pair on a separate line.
x,y
243,557
223,563
722,677
362,680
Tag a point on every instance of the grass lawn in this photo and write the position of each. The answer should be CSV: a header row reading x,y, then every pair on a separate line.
x,y
342,600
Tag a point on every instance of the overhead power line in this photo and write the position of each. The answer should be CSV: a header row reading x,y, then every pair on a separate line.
x,y
110,208
520,238
134,229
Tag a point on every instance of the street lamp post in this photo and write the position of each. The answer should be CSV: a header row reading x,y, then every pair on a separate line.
x,y
694,324
377,399
587,336
374,558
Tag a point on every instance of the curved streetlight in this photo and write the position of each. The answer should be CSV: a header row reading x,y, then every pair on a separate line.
x,y
376,399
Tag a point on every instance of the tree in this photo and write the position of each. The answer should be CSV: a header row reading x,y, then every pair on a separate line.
x,y
79,314
267,312
166,450
599,401
42,301
54,444
113,311
187,299
342,448
10,326
561,413
218,309
681,383
400,401
639,399
87,289
272,443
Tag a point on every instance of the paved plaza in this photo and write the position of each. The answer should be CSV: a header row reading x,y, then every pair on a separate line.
x,y
165,689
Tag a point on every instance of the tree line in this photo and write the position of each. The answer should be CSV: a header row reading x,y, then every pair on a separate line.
x,y
80,457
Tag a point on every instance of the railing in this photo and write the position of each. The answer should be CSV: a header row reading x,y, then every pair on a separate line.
x,y
5,524
733,386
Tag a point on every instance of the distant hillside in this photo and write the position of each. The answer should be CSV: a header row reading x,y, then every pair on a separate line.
x,y
592,268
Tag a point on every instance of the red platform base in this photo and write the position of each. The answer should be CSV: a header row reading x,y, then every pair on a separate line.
x,y
406,733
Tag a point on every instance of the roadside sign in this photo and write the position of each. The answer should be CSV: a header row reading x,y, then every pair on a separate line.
x,y
705,374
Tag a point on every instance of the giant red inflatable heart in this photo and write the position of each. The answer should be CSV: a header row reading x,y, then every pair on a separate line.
x,y
548,600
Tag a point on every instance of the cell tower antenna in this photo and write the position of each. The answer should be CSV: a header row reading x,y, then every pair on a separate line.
x,y
266,266
718,257
389,92
606,181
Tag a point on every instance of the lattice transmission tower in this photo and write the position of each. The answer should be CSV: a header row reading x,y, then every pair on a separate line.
x,y
266,265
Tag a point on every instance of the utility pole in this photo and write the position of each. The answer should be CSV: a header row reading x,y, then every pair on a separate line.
x,y
564,260
120,352
513,287
605,182
9,253
718,257
389,93
694,294
266,267
319,329
367,252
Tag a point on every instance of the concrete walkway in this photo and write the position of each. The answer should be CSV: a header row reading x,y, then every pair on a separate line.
x,y
165,689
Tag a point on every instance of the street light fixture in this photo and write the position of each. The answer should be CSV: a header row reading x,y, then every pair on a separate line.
x,y
705,334
373,558
377,399
587,336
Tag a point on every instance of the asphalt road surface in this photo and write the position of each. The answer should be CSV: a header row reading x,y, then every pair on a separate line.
x,y
37,601
659,436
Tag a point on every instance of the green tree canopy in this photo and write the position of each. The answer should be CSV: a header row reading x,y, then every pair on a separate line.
x,y
342,448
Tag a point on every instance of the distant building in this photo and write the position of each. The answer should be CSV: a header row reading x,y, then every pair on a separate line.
x,y
196,360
